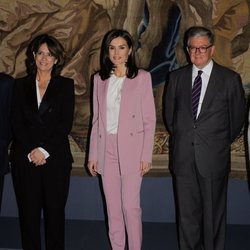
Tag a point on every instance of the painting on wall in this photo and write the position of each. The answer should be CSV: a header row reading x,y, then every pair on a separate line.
x,y
158,29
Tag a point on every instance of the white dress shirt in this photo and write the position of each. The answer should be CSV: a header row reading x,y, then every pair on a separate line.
x,y
205,78
113,103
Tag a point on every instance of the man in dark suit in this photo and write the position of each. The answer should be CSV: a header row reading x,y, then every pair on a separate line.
x,y
6,83
204,111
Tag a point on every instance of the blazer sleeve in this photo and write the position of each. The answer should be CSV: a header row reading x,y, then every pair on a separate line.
x,y
149,118
17,118
169,103
237,106
6,82
94,128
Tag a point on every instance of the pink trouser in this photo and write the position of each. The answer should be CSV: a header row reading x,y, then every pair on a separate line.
x,y
122,194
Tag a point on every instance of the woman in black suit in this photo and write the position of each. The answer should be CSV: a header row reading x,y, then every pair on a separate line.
x,y
41,161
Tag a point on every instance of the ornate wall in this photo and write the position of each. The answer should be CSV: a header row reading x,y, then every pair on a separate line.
x,y
157,27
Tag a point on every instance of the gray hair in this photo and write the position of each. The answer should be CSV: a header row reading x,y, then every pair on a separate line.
x,y
198,31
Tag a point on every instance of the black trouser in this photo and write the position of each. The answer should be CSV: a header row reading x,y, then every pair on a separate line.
x,y
41,189
201,212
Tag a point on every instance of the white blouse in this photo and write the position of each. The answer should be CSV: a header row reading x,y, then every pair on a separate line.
x,y
113,103
39,99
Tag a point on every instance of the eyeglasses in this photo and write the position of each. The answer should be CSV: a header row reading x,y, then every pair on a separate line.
x,y
202,49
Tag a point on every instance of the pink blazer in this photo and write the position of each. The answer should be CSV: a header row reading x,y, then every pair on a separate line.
x,y
136,123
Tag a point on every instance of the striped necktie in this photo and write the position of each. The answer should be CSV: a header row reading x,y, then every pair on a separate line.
x,y
196,92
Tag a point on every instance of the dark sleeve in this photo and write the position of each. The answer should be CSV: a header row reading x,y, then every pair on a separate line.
x,y
237,106
9,87
19,127
170,102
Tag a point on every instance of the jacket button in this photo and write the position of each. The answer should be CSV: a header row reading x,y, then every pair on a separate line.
x,y
133,116
131,134
100,136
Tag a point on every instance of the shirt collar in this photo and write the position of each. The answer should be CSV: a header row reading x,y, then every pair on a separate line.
x,y
207,69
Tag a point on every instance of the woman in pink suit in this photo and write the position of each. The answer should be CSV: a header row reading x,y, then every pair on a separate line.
x,y
122,136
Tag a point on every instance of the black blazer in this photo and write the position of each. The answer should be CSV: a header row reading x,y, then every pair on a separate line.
x,y
47,127
6,84
206,141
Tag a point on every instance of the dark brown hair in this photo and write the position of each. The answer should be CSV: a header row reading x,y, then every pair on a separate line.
x,y
55,48
106,65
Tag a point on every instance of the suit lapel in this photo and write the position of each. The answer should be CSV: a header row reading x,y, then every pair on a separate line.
x,y
125,94
102,95
48,96
212,88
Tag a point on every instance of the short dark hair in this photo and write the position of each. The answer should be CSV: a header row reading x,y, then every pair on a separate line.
x,y
106,65
197,31
55,48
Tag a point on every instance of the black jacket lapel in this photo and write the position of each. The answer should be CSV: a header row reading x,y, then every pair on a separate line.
x,y
48,96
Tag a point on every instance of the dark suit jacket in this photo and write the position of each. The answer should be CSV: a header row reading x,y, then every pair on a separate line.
x,y
6,84
206,141
47,127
